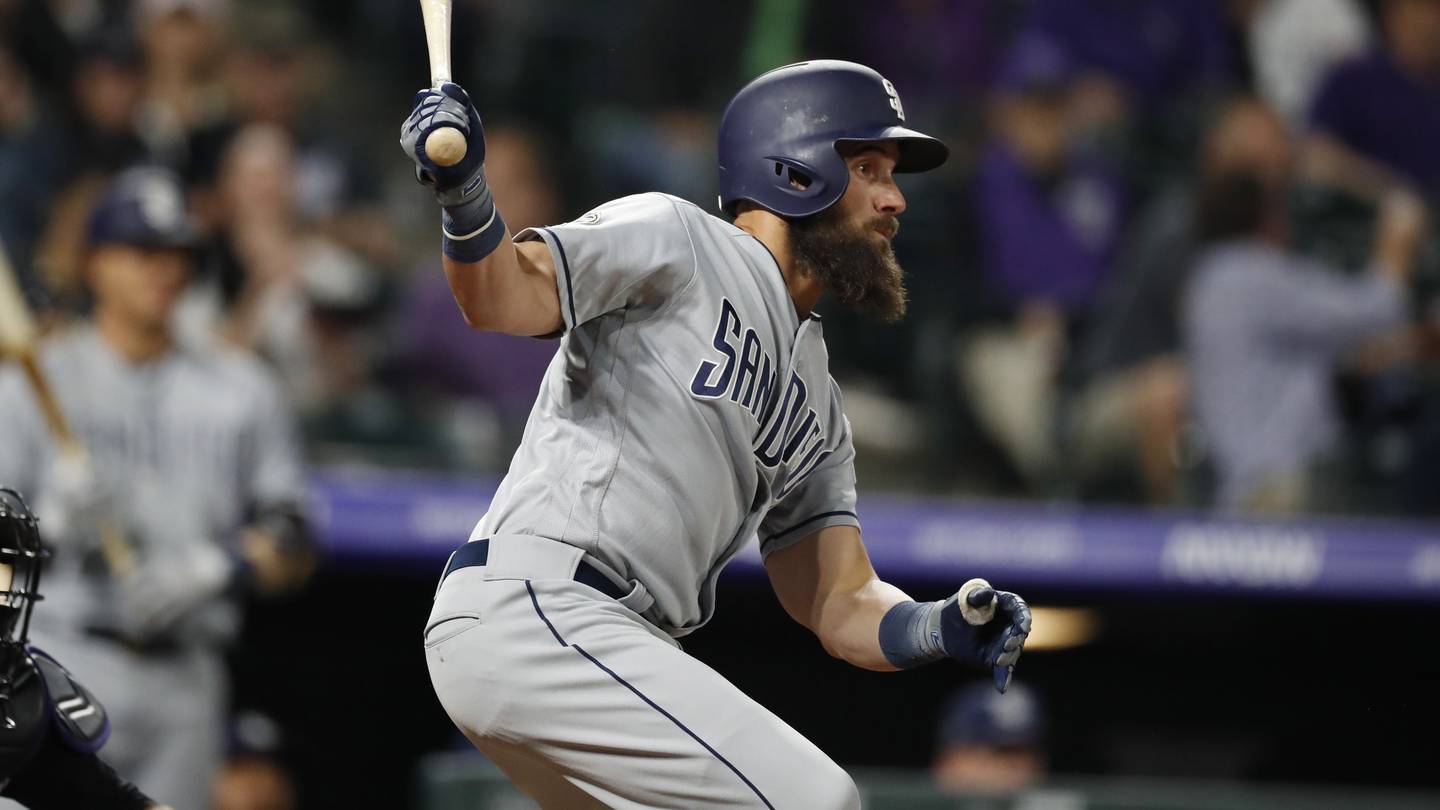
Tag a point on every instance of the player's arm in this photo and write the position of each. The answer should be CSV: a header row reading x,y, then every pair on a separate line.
x,y
826,583
499,286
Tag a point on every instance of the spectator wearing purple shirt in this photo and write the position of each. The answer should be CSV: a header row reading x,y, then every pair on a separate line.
x,y
1156,52
1049,219
1376,119
1266,331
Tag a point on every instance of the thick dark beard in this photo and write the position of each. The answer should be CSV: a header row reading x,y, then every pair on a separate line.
x,y
849,264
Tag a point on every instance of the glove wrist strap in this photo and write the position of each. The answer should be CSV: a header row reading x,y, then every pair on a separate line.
x,y
472,226
910,634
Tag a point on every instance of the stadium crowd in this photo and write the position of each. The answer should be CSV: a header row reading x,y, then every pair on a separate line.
x,y
1184,253
1054,348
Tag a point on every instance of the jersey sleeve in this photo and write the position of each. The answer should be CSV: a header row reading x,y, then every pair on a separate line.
x,y
825,496
634,251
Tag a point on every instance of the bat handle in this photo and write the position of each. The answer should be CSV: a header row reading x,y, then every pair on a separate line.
x,y
445,146
976,616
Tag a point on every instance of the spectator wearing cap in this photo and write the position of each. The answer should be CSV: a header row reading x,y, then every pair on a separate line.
x,y
184,492
990,743
1049,216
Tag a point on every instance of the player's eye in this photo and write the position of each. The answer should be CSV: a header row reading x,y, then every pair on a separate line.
x,y
863,168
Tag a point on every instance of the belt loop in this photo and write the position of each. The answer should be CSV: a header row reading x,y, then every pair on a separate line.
x,y
639,598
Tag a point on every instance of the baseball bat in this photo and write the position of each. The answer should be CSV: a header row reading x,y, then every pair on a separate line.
x,y
18,339
446,145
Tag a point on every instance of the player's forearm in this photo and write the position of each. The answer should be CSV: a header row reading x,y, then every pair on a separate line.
x,y
848,624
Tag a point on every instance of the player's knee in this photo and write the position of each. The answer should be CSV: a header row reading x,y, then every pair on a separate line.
x,y
835,790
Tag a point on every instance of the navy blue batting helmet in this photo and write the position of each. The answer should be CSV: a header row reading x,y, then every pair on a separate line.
x,y
143,207
779,135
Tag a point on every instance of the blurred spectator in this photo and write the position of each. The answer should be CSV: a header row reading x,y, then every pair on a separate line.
x,y
28,164
185,492
182,119
107,94
254,776
940,53
275,75
1293,45
1375,120
489,379
312,308
1132,410
1157,54
1267,330
990,743
1143,73
1049,222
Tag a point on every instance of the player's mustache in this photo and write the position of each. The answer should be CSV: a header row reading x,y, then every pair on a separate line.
x,y
886,223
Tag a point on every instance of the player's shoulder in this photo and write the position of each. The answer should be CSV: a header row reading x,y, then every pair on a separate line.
x,y
650,208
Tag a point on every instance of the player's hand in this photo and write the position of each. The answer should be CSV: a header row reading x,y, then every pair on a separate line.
x,y
449,106
74,499
997,643
164,590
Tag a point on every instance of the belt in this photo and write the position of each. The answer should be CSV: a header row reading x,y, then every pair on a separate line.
x,y
477,552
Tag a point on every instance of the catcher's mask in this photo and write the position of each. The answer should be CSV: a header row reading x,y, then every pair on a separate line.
x,y
20,559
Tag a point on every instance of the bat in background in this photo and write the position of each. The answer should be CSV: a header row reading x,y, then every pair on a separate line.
x,y
446,145
18,339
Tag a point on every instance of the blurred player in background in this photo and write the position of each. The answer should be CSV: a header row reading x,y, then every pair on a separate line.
x,y
50,726
689,409
190,464
988,742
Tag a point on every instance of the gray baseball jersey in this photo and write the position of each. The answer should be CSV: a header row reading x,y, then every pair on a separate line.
x,y
689,408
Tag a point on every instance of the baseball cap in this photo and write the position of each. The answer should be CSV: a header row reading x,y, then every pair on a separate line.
x,y
1035,64
978,715
143,207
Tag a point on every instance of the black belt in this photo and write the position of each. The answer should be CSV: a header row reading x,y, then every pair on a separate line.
x,y
478,551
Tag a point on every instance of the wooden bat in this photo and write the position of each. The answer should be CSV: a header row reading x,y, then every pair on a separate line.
x,y
18,339
446,145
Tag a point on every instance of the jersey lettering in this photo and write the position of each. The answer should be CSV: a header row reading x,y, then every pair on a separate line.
x,y
748,377
728,326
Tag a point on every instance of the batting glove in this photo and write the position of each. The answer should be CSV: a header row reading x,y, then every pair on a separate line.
x,y
997,644
432,109
163,592
472,227
73,501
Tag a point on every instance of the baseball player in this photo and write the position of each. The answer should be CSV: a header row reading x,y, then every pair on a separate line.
x,y
688,409
50,726
190,466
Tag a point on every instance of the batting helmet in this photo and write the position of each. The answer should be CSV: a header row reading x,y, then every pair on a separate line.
x,y
779,135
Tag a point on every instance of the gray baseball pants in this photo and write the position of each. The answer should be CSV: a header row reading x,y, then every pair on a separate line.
x,y
582,703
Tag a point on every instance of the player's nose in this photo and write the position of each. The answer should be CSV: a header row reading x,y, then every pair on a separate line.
x,y
890,201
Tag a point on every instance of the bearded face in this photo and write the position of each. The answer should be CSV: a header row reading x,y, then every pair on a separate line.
x,y
855,266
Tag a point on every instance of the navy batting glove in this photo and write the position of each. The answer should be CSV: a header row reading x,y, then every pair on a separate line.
x,y
432,109
996,644
472,227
